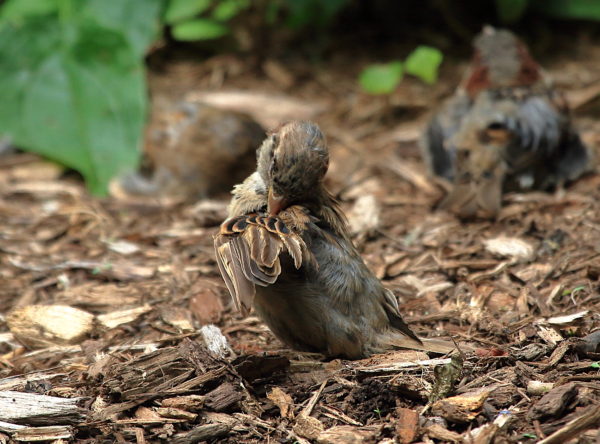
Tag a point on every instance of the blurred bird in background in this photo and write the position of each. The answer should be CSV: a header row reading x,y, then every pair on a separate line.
x,y
195,151
505,129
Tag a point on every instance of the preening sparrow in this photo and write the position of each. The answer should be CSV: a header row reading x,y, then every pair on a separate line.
x,y
285,250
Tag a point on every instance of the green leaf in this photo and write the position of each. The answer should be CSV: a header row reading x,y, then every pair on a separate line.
x,y
571,9
595,365
381,78
137,20
568,292
228,9
74,93
179,10
511,11
16,11
424,63
529,435
199,29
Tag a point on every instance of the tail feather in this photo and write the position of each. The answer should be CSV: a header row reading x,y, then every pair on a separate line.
x,y
434,345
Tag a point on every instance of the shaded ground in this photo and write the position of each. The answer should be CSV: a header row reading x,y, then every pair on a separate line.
x,y
146,271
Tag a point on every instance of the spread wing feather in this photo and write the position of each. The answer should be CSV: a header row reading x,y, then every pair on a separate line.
x,y
234,277
248,250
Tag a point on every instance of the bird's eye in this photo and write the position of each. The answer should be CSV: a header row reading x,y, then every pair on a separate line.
x,y
275,139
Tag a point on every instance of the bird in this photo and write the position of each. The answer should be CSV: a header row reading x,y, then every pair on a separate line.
x,y
285,252
195,151
506,128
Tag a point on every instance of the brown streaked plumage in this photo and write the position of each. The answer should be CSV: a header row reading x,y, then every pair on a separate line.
x,y
285,250
506,128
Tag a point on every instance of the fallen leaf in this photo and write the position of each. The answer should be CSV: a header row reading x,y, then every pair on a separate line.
x,y
282,400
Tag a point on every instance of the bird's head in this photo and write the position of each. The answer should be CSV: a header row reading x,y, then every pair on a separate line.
x,y
293,163
500,60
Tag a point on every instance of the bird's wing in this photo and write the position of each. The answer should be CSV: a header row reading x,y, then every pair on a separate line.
x,y
435,143
248,250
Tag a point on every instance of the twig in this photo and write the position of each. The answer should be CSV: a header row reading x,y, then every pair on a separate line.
x,y
313,400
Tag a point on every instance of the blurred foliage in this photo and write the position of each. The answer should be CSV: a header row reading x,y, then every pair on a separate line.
x,y
383,78
195,20
202,19
568,9
317,13
424,63
511,11
72,81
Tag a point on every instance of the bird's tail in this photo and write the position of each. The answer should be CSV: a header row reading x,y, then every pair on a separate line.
x,y
434,345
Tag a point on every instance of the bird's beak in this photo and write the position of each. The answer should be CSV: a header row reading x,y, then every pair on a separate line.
x,y
275,203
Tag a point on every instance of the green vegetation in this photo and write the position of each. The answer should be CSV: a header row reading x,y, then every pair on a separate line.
x,y
72,82
202,19
382,78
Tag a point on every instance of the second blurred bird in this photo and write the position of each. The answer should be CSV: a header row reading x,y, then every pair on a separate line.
x,y
195,151
506,128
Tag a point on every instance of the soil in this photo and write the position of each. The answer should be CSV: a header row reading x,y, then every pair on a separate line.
x,y
144,275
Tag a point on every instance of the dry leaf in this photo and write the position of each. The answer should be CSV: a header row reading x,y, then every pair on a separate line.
x,y
282,400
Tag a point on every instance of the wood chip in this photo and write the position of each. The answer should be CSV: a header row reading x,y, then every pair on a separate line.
x,y
437,431
588,419
462,408
120,317
512,247
364,216
38,326
348,435
308,427
206,304
36,409
223,397
174,413
537,388
193,403
554,403
407,426
48,433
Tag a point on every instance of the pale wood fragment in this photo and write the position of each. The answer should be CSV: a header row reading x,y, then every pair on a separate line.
x,y
33,409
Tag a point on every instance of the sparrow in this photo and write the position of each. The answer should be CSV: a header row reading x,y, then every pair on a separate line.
x,y
506,128
195,150
285,251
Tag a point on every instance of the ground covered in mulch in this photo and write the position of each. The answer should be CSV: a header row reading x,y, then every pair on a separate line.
x,y
133,295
